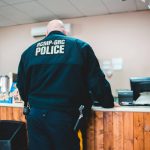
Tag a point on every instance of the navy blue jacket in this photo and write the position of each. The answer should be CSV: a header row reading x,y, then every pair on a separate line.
x,y
60,72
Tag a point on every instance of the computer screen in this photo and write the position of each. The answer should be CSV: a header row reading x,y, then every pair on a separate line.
x,y
139,85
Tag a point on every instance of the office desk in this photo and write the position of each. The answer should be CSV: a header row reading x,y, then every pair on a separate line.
x,y
120,128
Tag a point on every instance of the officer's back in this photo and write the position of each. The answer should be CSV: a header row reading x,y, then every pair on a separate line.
x,y
55,72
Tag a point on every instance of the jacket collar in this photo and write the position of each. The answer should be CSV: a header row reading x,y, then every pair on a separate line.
x,y
56,32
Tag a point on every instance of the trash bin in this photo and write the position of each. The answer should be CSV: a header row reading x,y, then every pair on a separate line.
x,y
13,135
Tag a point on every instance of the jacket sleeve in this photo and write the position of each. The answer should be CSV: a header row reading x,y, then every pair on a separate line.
x,y
98,86
21,81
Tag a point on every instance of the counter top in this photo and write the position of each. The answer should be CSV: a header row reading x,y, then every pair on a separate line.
x,y
123,109
98,108
12,104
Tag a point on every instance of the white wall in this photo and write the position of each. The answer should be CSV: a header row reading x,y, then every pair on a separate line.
x,y
124,35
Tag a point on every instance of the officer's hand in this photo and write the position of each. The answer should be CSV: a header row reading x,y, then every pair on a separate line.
x,y
116,104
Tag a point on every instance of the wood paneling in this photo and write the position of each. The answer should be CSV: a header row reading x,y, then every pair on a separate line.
x,y
3,112
11,113
138,131
119,131
90,134
99,132
108,132
147,131
128,131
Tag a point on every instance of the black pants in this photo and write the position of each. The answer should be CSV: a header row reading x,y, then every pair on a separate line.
x,y
51,130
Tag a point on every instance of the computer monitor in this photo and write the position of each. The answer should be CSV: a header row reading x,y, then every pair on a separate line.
x,y
139,85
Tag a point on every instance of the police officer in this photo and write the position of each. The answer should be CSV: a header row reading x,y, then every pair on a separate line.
x,y
56,76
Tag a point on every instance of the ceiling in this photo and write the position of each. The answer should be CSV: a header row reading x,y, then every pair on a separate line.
x,y
15,12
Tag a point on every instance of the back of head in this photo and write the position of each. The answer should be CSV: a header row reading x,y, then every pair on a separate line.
x,y
55,25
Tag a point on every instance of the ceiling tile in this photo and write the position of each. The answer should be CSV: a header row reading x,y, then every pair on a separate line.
x,y
119,5
90,7
34,10
2,4
18,16
16,1
5,22
30,11
62,8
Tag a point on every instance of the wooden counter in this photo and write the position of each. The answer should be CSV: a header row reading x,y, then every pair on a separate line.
x,y
122,128
11,112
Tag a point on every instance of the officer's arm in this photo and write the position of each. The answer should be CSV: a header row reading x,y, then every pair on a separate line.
x,y
21,80
97,83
